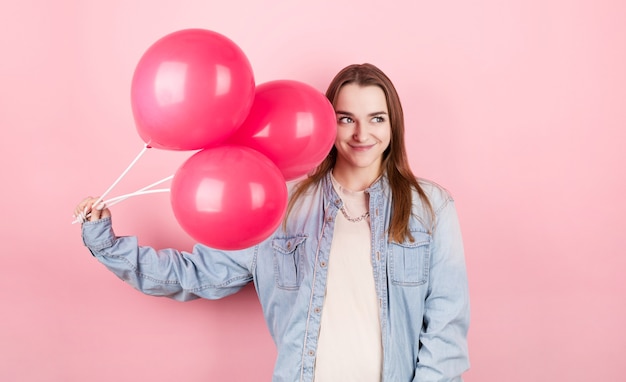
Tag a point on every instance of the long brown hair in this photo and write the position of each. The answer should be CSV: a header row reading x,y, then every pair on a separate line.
x,y
395,163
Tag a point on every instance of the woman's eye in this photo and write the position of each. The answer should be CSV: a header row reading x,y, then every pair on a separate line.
x,y
345,120
378,119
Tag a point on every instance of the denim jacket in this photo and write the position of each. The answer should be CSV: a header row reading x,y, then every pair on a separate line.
x,y
421,285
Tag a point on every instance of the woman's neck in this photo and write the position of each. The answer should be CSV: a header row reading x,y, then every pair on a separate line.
x,y
355,179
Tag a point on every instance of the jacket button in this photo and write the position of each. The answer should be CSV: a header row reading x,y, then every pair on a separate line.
x,y
323,264
317,310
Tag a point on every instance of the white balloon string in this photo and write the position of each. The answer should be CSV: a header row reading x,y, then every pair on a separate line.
x,y
86,214
121,198
142,189
118,199
122,175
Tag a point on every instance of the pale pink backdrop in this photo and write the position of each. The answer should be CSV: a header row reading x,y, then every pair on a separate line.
x,y
518,107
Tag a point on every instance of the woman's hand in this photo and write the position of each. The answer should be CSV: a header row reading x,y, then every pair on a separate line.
x,y
86,211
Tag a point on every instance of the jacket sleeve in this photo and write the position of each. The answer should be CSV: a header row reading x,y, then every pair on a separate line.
x,y
204,272
443,354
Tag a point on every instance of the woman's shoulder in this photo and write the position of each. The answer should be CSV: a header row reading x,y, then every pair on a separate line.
x,y
295,185
437,195
292,184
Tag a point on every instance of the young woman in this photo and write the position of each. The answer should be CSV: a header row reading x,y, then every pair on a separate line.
x,y
364,281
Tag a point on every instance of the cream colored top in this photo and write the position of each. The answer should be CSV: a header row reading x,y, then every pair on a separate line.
x,y
350,341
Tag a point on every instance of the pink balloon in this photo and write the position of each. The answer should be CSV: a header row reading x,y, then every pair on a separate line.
x,y
229,197
290,122
191,89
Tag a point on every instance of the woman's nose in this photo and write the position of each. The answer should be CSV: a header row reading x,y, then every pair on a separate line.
x,y
359,133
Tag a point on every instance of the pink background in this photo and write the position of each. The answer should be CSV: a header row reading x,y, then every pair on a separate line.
x,y
518,107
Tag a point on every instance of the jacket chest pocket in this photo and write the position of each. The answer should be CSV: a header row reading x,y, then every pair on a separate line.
x,y
287,261
410,261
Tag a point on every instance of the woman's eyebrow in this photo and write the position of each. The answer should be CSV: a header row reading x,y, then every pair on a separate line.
x,y
343,112
351,114
377,113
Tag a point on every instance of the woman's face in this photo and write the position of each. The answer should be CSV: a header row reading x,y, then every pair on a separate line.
x,y
363,127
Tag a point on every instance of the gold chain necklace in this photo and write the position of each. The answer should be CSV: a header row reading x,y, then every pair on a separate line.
x,y
357,219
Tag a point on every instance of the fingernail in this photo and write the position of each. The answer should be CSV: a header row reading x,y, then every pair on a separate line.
x,y
100,206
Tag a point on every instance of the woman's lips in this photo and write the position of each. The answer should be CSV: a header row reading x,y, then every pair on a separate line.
x,y
361,148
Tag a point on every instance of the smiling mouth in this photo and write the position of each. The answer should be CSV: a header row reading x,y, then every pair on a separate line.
x,y
361,148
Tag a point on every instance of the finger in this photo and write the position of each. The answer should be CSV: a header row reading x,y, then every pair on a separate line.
x,y
105,213
84,208
80,208
96,212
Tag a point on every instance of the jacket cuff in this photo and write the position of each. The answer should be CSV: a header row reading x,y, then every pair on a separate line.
x,y
98,235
